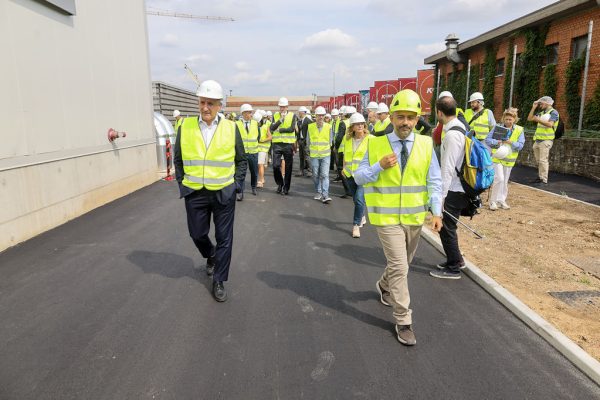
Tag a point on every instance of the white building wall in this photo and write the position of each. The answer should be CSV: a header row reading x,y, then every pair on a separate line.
x,y
65,80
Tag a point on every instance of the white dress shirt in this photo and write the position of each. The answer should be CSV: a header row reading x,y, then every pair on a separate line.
x,y
208,131
453,154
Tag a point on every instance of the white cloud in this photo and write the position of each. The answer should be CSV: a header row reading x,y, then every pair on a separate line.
x,y
242,66
329,39
426,50
196,59
169,40
245,77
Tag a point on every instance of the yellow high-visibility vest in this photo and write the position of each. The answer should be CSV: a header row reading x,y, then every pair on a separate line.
x,y
511,159
480,125
353,158
346,126
395,197
250,138
319,140
212,168
543,132
264,146
178,124
289,137
380,127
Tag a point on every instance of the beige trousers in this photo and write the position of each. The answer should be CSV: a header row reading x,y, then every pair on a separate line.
x,y
399,246
541,152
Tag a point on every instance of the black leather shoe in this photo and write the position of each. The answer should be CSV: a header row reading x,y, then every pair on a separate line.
x,y
240,196
286,192
254,191
219,292
279,188
210,266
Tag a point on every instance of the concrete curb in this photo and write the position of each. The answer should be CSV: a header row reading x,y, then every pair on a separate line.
x,y
582,360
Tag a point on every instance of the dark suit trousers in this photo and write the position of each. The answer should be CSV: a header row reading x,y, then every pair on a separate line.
x,y
286,150
454,203
199,206
253,167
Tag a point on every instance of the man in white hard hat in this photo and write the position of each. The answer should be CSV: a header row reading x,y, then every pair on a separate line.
x,y
178,119
547,119
339,145
302,132
210,163
283,131
320,153
480,119
335,125
371,115
250,132
383,125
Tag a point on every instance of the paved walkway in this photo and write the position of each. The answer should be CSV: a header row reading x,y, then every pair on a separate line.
x,y
109,306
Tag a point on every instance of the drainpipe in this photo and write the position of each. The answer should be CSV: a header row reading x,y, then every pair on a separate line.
x,y
452,49
585,75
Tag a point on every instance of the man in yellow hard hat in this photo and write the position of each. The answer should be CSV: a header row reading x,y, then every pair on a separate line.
x,y
402,181
210,163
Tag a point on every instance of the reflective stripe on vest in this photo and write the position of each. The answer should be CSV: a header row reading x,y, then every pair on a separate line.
x,y
481,125
509,160
211,168
381,126
319,140
289,137
250,138
352,159
264,147
395,197
543,132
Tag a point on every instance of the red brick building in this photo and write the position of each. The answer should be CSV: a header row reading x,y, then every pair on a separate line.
x,y
568,23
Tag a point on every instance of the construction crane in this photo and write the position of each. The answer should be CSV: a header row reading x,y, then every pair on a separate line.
x,y
192,74
167,13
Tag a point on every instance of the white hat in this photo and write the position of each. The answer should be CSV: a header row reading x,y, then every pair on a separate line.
x,y
335,112
176,113
246,107
445,93
210,89
372,106
357,118
320,111
350,110
269,114
327,115
546,99
257,116
477,96
303,109
382,108
283,102
502,152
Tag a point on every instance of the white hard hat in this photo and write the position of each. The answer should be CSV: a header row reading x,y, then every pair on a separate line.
x,y
372,106
343,110
476,97
335,112
246,107
257,116
445,93
176,113
283,102
327,115
382,108
357,118
303,109
502,152
320,111
269,114
350,110
210,89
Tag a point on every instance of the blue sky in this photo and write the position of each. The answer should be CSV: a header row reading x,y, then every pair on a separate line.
x,y
282,48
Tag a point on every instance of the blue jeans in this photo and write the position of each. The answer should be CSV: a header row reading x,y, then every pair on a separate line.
x,y
358,195
320,174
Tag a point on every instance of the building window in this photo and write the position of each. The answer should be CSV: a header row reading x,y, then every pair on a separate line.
x,y
500,67
578,46
481,71
552,54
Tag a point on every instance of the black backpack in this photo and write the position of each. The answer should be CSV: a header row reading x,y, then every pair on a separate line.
x,y
560,129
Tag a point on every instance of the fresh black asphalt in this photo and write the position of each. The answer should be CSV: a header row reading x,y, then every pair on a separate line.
x,y
116,305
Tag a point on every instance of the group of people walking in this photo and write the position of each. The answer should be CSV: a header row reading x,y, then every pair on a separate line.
x,y
388,167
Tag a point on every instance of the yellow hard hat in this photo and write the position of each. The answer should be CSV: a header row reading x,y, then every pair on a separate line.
x,y
406,100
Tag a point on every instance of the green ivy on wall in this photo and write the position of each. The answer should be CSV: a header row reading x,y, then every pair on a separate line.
x,y
458,86
527,76
591,118
474,81
489,76
572,95
507,75
550,81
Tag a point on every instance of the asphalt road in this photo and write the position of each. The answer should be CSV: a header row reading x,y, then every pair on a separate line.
x,y
110,306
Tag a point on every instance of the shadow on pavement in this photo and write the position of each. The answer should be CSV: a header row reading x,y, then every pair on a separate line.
x,y
319,221
372,256
328,294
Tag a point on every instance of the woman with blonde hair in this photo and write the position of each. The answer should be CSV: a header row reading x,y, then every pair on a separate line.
x,y
355,146
505,144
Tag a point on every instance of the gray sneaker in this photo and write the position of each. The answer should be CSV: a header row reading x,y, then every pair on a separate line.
x,y
445,264
445,273
406,335
384,295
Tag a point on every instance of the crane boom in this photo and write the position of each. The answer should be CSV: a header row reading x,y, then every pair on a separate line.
x,y
165,13
192,74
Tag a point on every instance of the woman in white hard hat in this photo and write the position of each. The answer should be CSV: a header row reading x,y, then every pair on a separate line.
x,y
355,146
505,145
